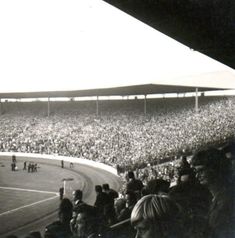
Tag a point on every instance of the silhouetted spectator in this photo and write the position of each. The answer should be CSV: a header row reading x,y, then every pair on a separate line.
x,y
111,192
86,225
157,186
61,228
131,200
213,169
134,184
195,200
101,202
109,208
119,205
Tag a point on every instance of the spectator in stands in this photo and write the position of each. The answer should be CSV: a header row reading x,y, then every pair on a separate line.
x,y
195,199
131,200
80,206
61,228
111,192
79,203
127,138
134,184
184,164
86,225
109,209
157,186
213,169
157,216
119,205
77,199
101,202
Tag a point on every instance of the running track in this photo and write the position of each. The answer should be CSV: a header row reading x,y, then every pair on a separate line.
x,y
29,201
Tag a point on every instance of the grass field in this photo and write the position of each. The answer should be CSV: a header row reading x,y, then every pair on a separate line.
x,y
29,201
15,199
25,197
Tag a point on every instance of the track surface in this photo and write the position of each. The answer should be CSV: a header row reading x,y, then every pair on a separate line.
x,y
29,201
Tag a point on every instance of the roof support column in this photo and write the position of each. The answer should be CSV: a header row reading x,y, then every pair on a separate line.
x,y
196,100
48,107
0,106
145,105
97,106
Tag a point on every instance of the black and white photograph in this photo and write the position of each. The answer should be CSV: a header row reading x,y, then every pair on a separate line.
x,y
117,119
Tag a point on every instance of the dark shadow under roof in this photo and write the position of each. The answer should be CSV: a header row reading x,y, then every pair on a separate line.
x,y
116,91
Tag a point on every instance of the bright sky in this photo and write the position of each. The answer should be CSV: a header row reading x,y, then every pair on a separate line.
x,y
77,44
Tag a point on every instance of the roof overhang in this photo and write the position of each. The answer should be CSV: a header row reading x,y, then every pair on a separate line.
x,y
205,26
116,91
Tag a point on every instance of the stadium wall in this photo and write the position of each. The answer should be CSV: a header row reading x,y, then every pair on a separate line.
x,y
64,158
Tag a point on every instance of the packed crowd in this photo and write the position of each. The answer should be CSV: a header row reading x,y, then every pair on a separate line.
x,y
127,138
199,205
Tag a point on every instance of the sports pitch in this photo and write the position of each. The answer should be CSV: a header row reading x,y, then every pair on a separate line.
x,y
29,197
26,197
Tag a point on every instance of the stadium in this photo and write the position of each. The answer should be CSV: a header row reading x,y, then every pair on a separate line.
x,y
166,145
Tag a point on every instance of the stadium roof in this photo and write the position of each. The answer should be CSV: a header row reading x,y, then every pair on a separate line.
x,y
205,26
116,91
89,44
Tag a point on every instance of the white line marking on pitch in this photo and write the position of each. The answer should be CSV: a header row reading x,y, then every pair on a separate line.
x,y
28,190
32,204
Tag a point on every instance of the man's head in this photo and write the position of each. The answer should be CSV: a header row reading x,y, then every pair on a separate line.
x,y
131,198
119,205
86,224
186,175
98,189
65,211
211,165
105,187
131,175
156,186
77,194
